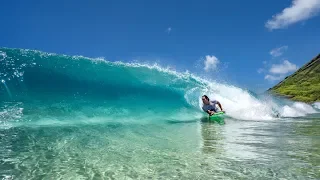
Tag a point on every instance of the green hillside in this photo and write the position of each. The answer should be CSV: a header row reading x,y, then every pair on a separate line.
x,y
303,85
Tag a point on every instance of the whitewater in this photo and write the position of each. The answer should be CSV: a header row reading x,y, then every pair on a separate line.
x,y
72,116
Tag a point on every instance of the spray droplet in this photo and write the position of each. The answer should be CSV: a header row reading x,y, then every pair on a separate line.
x,y
3,81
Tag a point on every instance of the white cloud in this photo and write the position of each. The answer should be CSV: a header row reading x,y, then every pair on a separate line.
x,y
273,77
299,10
260,70
168,30
210,63
283,68
279,71
278,51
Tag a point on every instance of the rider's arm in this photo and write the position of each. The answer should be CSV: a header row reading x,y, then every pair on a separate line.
x,y
219,105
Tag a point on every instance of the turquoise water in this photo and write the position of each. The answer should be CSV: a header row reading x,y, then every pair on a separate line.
x,y
65,117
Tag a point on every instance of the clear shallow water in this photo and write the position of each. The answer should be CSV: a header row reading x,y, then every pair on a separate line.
x,y
287,149
65,117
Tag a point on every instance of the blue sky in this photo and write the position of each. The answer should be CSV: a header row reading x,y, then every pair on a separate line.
x,y
229,41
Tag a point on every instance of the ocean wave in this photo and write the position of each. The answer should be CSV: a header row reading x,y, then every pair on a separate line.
x,y
60,86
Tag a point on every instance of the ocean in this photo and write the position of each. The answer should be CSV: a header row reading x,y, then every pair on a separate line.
x,y
73,117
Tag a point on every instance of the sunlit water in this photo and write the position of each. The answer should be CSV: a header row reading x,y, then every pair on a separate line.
x,y
286,148
64,117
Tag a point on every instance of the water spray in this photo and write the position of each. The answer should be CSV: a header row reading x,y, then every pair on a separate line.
x,y
5,85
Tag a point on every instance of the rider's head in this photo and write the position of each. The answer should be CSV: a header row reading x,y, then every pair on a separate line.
x,y
205,99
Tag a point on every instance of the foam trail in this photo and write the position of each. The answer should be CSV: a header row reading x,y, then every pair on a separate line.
x,y
317,105
303,107
297,109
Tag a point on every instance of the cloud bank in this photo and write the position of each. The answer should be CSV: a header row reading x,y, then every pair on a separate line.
x,y
284,68
300,10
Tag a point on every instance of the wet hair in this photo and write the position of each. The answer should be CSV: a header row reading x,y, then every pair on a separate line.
x,y
207,98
